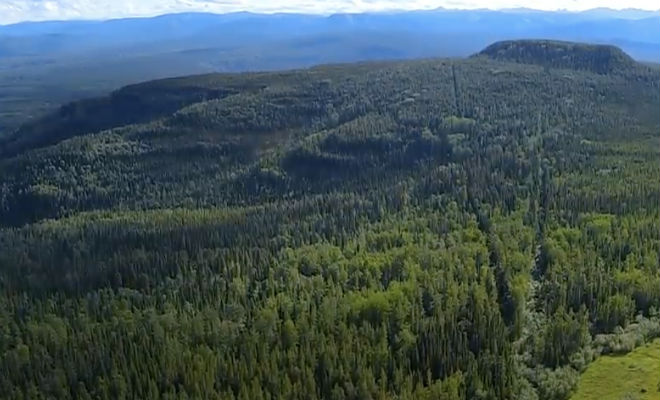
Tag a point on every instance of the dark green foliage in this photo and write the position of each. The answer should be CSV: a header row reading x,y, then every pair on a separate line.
x,y
601,59
420,230
133,104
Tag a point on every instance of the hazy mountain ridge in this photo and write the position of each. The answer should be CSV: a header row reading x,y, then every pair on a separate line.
x,y
208,28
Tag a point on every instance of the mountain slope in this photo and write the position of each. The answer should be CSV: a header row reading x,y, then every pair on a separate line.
x,y
430,229
600,59
46,64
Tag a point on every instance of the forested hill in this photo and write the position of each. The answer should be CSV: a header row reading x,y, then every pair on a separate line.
x,y
132,104
435,229
153,100
601,59
45,64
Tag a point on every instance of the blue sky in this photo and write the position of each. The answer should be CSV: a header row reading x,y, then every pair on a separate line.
x,y
34,10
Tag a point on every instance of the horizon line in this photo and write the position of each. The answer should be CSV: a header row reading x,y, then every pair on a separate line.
x,y
330,14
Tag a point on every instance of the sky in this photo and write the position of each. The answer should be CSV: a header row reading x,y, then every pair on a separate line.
x,y
12,11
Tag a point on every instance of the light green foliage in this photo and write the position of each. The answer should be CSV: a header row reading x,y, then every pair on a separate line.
x,y
633,376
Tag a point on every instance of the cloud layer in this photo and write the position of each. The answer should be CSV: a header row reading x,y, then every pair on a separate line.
x,y
38,10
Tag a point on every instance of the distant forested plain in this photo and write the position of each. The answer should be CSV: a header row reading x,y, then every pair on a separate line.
x,y
479,228
46,64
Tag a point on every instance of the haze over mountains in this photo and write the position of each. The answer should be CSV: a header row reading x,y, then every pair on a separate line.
x,y
45,64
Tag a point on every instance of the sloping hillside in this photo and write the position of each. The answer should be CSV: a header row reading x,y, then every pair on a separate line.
x,y
601,59
452,229
45,64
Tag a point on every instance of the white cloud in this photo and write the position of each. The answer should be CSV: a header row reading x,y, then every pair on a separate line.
x,y
34,10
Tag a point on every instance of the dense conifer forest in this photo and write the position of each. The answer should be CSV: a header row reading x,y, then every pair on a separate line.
x,y
477,228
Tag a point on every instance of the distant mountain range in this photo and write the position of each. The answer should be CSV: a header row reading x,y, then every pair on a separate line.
x,y
44,64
